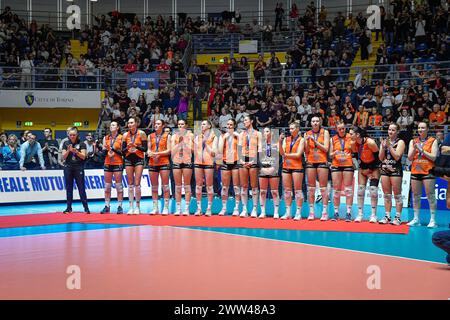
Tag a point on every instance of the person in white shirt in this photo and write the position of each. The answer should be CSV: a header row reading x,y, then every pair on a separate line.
x,y
240,117
150,94
223,119
26,66
134,92
399,98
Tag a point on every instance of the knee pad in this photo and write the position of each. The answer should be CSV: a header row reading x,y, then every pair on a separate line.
x,y
275,194
130,188
373,193
236,191
298,194
263,192
198,189
348,191
311,191
361,191
387,197
178,189
224,191
187,189
108,187
255,191
324,191
398,198
244,191
119,187
287,193
210,189
374,182
166,188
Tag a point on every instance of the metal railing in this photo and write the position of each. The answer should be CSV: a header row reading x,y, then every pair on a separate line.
x,y
98,79
229,42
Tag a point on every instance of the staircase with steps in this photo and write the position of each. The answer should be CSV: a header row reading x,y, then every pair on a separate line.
x,y
369,64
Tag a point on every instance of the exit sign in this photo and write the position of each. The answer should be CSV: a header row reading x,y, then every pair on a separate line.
x,y
77,124
28,124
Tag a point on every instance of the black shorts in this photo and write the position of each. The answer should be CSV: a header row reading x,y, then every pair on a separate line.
x,y
290,171
113,168
159,168
322,165
230,166
421,177
253,166
342,169
203,166
398,172
182,166
133,161
369,166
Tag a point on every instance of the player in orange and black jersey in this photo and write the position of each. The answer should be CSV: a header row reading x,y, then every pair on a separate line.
x,y
342,169
369,163
423,152
134,146
112,147
317,143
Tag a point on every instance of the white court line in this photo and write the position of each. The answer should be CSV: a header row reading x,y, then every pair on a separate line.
x,y
313,245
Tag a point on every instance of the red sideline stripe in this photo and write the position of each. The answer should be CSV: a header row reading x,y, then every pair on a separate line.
x,y
194,221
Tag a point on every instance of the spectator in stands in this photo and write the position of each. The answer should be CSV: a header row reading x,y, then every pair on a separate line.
x,y
364,42
91,150
171,118
130,67
279,14
157,115
134,92
293,16
437,117
198,95
11,154
31,156
263,116
50,149
259,69
224,118
105,116
26,66
176,69
3,139
183,105
267,35
214,119
240,115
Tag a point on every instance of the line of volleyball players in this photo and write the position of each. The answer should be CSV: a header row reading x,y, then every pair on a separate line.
x,y
251,159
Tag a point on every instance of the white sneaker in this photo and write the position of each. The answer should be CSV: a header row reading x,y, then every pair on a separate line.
x,y
177,213
324,217
154,211
432,224
186,213
276,216
236,213
396,221
131,211
385,220
286,217
165,211
414,223
208,213
223,212
359,218
244,213
262,216
311,216
298,217
254,213
137,210
198,213
373,219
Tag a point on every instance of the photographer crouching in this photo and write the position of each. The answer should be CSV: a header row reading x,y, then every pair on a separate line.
x,y
441,239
